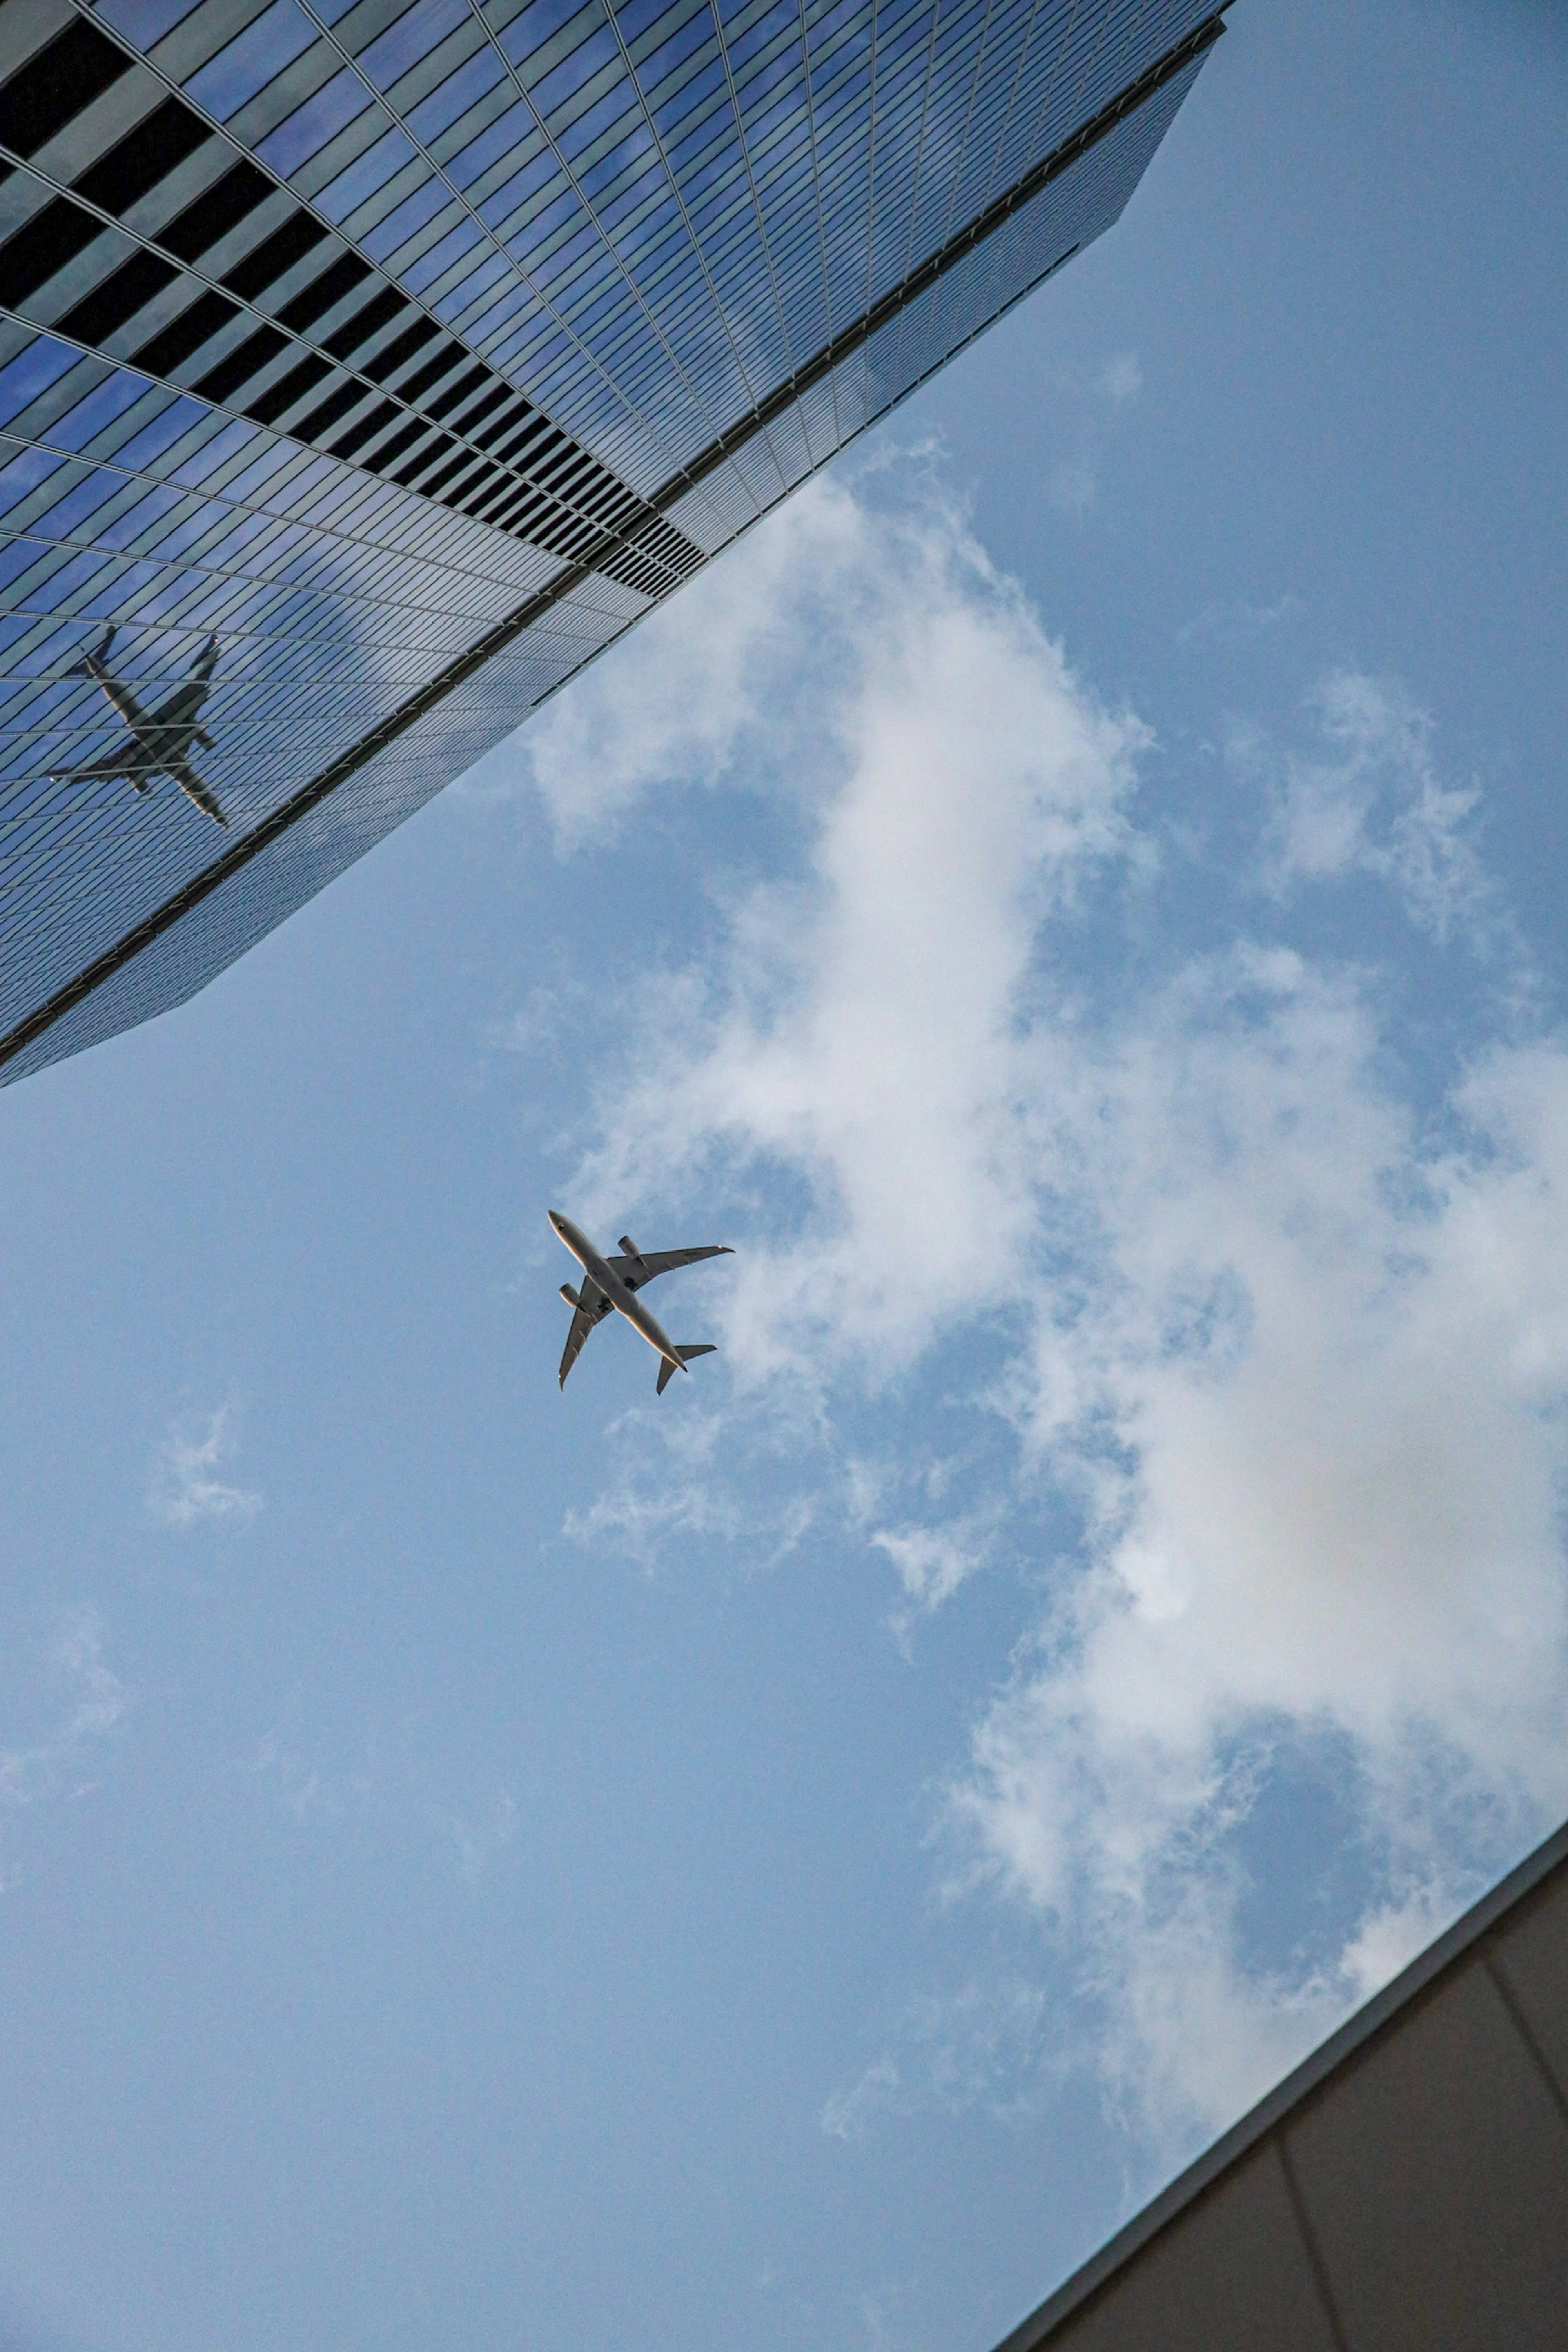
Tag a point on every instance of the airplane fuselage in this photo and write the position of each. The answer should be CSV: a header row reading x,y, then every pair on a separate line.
x,y
161,741
625,1302
164,736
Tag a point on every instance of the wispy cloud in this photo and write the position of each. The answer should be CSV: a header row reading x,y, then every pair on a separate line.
x,y
1237,622
332,1777
1074,485
1284,1354
62,1762
184,1485
1370,800
1122,379
985,2045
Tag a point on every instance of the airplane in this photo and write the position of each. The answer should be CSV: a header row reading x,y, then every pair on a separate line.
x,y
159,743
612,1283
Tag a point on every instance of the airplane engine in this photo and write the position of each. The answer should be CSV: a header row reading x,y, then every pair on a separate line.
x,y
569,1295
629,1246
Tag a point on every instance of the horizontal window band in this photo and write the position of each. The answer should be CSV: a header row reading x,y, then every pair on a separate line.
x,y
340,278
486,406
498,425
462,488
43,245
136,163
437,481
407,475
488,504
366,321
220,382
331,410
54,86
383,414
541,430
118,296
398,354
398,446
433,369
288,389
207,315
455,395
274,257
220,208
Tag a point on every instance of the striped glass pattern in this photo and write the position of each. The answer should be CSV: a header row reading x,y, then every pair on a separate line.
x,y
367,368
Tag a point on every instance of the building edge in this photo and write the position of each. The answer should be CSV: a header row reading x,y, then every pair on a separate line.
x,y
1377,2018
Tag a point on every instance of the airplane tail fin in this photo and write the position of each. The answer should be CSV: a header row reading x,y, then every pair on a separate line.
x,y
667,1370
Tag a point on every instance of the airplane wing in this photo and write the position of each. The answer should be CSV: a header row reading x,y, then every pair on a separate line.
x,y
127,758
191,784
193,691
592,1308
636,1271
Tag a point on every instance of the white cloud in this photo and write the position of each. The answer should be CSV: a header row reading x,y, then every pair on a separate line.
x,y
1297,1356
60,1762
983,2046
1234,623
860,1032
184,1485
1074,485
1372,802
330,1775
644,721
1122,380
932,1562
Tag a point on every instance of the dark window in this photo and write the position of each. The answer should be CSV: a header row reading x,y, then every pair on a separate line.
x,y
559,470
494,503
143,157
459,391
78,66
212,215
240,364
292,387
464,483
433,369
539,433
274,256
48,241
502,424
184,335
520,516
319,295
366,321
459,464
380,417
401,443
337,403
476,414
407,474
119,297
387,363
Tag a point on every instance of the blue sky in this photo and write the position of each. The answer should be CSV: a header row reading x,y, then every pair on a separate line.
x,y
1074,900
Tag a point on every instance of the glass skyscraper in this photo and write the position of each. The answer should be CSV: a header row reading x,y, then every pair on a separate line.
x,y
367,365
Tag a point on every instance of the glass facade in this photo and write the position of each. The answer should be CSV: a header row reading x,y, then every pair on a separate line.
x,y
365,368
